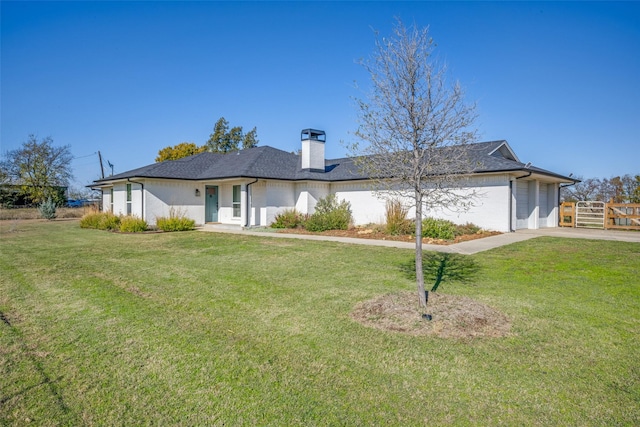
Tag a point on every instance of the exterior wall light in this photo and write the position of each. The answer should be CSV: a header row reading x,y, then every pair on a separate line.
x,y
197,192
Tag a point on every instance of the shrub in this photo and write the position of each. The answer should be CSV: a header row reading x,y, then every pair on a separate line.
x,y
176,221
91,220
132,224
396,217
330,215
47,209
468,228
289,218
438,229
109,221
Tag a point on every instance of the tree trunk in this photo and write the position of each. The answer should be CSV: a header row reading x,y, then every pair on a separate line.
x,y
419,271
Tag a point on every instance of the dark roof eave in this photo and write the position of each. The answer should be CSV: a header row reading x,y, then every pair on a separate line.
x,y
533,171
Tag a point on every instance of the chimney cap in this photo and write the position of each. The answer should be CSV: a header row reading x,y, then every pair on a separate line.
x,y
313,134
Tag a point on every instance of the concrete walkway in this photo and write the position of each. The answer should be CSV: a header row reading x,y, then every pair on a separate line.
x,y
467,248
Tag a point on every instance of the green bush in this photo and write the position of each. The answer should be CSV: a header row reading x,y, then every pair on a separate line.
x,y
289,218
132,224
109,221
47,209
330,215
175,222
396,219
438,229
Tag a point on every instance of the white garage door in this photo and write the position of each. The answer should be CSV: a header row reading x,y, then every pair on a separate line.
x,y
544,211
522,204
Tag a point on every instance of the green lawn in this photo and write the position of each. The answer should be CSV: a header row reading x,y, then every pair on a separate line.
x,y
214,329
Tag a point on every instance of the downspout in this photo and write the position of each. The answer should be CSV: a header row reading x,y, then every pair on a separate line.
x,y
249,201
141,196
560,187
511,206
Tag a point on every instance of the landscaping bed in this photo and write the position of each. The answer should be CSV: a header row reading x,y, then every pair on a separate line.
x,y
373,233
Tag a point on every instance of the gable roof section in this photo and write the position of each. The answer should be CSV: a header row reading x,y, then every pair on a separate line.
x,y
270,163
504,150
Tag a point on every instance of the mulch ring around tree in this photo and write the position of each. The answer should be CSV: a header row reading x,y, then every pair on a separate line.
x,y
453,316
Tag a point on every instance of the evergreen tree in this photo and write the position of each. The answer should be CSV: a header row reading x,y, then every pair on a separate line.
x,y
224,140
250,139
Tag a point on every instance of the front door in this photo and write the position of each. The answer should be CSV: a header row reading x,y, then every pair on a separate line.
x,y
211,204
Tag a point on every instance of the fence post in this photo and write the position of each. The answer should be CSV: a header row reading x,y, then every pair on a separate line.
x,y
567,210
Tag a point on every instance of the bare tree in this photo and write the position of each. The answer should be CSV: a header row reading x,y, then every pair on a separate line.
x,y
620,189
40,168
414,129
586,189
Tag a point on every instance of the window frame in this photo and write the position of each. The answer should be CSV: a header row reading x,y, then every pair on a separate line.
x,y
236,201
129,199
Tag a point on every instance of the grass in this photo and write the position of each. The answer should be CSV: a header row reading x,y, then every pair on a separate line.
x,y
201,328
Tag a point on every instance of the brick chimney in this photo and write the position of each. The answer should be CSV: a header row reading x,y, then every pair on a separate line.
x,y
313,149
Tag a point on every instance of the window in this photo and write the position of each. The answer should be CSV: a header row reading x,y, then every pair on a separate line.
x,y
128,199
111,200
236,201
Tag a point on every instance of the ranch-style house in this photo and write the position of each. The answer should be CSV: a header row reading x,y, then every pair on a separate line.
x,y
248,188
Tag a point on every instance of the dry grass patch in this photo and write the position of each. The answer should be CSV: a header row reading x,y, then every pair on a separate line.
x,y
453,316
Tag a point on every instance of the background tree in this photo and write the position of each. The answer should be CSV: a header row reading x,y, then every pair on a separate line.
x,y
223,140
40,169
586,189
235,137
622,189
184,149
415,127
632,189
219,140
4,174
250,139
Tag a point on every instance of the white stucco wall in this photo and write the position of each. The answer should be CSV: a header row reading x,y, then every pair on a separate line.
x,y
366,206
120,199
280,195
106,199
308,194
179,196
490,208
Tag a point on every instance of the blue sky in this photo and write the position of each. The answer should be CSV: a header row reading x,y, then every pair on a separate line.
x,y
559,81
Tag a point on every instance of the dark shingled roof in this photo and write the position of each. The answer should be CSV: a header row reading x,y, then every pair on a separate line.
x,y
270,163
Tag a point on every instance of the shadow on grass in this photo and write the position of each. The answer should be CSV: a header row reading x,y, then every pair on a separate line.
x,y
439,267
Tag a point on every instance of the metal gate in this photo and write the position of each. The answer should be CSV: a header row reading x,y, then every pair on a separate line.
x,y
590,214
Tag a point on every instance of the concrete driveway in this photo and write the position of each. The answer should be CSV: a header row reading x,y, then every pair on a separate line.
x,y
467,248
